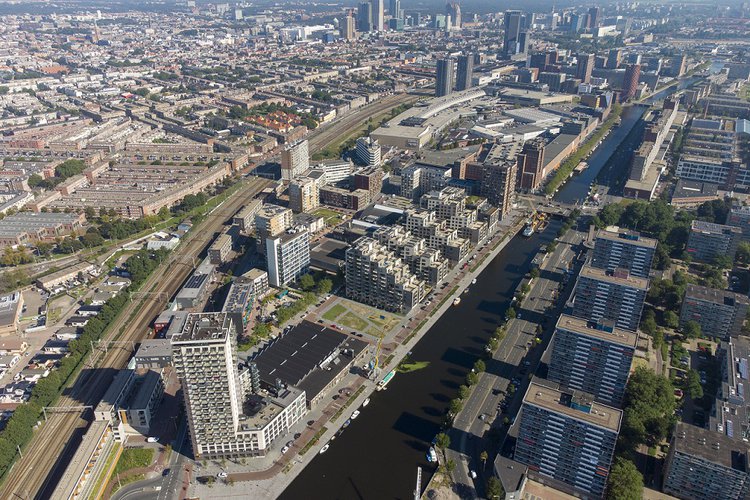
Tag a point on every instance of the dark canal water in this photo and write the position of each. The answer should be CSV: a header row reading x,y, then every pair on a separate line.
x,y
378,454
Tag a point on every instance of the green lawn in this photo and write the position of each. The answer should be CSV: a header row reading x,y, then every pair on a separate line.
x,y
134,458
412,366
334,312
331,217
354,322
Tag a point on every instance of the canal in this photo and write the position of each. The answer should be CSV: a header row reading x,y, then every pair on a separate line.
x,y
378,454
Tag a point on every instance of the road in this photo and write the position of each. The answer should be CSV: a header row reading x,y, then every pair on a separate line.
x,y
44,458
512,359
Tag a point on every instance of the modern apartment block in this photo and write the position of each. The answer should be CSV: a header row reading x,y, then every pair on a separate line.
x,y
226,419
498,164
706,465
592,357
272,220
295,159
623,249
438,234
720,313
368,151
304,195
731,412
565,436
708,241
445,71
245,217
376,276
369,179
288,257
219,250
610,296
426,263
739,216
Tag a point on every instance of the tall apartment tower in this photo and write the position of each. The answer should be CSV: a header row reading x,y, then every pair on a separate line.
x,y
531,165
720,313
708,241
566,436
205,359
584,67
288,257
368,151
512,36
465,71
364,17
594,17
304,195
624,249
348,30
592,357
630,81
602,295
498,185
444,77
613,58
378,15
394,9
295,159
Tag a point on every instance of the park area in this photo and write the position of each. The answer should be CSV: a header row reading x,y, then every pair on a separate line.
x,y
331,217
361,318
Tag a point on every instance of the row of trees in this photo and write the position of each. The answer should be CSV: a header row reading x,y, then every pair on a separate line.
x,y
63,171
19,429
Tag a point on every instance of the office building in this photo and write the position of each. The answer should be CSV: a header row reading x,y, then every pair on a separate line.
x,y
304,195
226,418
288,257
706,465
739,216
602,295
512,36
444,77
376,276
567,437
378,15
364,17
465,72
272,220
584,67
707,241
295,159
623,249
592,357
368,151
630,81
720,313
594,17
453,9
613,59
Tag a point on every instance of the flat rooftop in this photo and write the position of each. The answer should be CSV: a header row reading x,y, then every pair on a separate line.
x,y
258,410
205,327
617,278
626,236
711,446
9,305
95,434
712,228
723,297
154,348
573,404
591,329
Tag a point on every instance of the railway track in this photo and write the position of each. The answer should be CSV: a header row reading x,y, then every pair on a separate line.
x,y
34,474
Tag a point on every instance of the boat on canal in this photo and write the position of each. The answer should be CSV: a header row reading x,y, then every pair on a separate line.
x,y
355,414
431,455
325,448
386,380
456,301
365,402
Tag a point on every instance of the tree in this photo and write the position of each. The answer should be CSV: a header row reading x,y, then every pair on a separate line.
x,y
479,366
692,329
693,385
307,282
625,482
743,253
472,378
494,488
671,320
90,213
463,392
44,248
534,273
483,457
442,441
510,313
649,409
648,323
723,261
455,406
324,286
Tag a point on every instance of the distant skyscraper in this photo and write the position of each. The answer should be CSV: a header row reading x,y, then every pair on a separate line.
x,y
465,72
364,17
395,9
453,9
347,27
613,59
585,67
594,17
378,15
512,38
444,77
